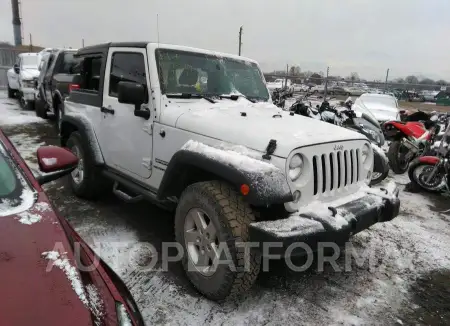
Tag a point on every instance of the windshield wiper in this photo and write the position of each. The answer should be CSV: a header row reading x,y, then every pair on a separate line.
x,y
235,97
190,95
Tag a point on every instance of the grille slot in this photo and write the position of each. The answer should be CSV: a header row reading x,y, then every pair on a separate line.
x,y
335,170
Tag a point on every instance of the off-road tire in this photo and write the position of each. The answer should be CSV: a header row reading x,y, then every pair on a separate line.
x,y
392,155
231,216
11,92
93,185
41,110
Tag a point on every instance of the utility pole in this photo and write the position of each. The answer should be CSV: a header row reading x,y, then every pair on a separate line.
x,y
240,39
387,76
31,43
287,73
326,84
82,42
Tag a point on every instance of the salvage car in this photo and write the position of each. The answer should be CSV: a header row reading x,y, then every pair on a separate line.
x,y
142,124
383,107
22,78
282,84
45,265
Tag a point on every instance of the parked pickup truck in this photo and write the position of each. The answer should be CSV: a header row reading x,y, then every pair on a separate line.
x,y
21,79
233,166
55,81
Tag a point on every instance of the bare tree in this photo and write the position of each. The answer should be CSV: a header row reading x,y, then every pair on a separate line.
x,y
412,80
354,77
427,81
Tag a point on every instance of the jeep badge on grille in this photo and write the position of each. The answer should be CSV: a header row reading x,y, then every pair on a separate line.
x,y
338,147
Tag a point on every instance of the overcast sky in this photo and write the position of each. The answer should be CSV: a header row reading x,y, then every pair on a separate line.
x,y
367,36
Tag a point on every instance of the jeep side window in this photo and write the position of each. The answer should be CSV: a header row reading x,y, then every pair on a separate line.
x,y
126,66
90,73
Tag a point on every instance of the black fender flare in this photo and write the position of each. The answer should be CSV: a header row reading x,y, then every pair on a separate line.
x,y
266,187
82,125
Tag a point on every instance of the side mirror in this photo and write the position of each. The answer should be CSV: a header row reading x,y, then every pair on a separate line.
x,y
131,93
55,162
16,68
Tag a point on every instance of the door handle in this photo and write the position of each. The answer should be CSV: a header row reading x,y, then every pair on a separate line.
x,y
107,110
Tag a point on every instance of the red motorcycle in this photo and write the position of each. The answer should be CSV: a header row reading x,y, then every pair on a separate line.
x,y
409,139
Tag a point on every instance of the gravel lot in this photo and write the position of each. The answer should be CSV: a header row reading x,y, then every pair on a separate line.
x,y
406,282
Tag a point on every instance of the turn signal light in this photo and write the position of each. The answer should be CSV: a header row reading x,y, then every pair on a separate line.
x,y
245,189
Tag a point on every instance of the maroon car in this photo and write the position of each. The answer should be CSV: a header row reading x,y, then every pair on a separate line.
x,y
48,274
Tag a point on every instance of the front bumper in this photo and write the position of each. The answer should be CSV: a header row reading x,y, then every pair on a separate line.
x,y
29,94
335,224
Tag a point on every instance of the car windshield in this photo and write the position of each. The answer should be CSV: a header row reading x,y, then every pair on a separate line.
x,y
204,74
12,184
30,61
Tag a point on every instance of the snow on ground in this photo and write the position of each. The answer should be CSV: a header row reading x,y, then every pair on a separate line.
x,y
12,114
400,255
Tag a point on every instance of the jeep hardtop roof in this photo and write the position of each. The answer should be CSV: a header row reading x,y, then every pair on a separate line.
x,y
104,47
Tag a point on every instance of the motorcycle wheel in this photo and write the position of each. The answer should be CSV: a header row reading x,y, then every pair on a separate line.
x,y
377,177
419,172
396,154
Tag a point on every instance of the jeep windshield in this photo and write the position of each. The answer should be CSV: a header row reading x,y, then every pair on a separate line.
x,y
206,75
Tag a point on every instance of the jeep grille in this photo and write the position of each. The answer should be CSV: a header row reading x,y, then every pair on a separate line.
x,y
335,170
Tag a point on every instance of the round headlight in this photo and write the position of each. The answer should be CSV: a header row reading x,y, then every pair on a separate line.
x,y
295,167
365,153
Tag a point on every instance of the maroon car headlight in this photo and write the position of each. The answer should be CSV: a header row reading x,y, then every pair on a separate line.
x,y
123,317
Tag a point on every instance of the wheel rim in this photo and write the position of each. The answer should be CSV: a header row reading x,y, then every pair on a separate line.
x,y
421,174
78,173
23,103
376,175
201,242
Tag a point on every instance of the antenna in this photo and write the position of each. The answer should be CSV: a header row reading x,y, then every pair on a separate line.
x,y
157,31
157,27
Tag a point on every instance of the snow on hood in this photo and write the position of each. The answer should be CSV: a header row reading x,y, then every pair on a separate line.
x,y
262,122
29,73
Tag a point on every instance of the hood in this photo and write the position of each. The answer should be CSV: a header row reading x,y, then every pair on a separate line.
x,y
261,123
38,292
380,111
29,73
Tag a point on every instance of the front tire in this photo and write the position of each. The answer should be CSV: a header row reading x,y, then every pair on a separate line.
x,y
86,180
41,110
396,164
379,177
59,112
221,219
11,92
418,173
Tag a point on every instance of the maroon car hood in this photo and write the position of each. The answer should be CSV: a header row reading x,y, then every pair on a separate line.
x,y
30,294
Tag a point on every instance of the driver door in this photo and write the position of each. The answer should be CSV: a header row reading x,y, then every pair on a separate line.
x,y
126,140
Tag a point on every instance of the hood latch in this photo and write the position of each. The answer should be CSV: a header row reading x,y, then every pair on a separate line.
x,y
270,149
